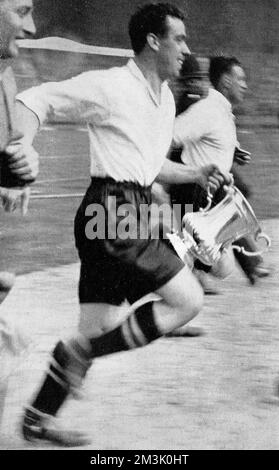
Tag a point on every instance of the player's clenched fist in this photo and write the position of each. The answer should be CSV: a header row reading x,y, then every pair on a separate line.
x,y
212,178
23,161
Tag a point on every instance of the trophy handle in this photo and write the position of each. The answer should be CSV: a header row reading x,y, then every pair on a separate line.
x,y
209,197
254,253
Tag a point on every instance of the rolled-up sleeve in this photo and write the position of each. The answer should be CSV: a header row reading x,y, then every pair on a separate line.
x,y
79,99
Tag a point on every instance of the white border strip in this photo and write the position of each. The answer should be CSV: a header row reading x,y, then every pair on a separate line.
x,y
67,45
56,196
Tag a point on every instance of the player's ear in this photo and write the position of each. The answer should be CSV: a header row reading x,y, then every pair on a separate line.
x,y
226,81
153,41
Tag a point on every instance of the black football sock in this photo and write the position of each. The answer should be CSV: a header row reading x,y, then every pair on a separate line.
x,y
55,387
138,330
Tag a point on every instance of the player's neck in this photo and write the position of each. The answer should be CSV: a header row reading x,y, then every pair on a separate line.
x,y
149,70
3,65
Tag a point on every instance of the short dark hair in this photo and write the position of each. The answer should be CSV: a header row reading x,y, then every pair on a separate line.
x,y
220,65
194,67
150,18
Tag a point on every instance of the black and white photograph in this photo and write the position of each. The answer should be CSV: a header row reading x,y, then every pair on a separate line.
x,y
139,208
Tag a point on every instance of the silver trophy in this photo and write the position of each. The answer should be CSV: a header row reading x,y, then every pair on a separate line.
x,y
211,230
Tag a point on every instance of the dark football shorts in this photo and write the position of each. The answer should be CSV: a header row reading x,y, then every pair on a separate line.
x,y
116,267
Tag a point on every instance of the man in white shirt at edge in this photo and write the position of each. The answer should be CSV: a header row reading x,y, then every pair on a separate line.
x,y
207,133
129,112
18,168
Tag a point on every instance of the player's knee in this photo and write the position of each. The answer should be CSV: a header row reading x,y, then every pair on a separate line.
x,y
198,298
182,298
193,301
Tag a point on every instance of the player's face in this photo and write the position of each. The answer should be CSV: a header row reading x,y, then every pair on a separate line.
x,y
238,85
172,49
15,23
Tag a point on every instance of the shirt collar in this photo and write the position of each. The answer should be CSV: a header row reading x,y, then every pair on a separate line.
x,y
221,99
135,70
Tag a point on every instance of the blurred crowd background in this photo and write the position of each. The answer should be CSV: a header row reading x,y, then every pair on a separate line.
x,y
247,29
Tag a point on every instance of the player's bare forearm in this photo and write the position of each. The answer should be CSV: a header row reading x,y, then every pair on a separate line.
x,y
208,176
27,122
176,173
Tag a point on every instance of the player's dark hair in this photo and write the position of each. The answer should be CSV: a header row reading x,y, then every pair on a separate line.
x,y
220,65
150,18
